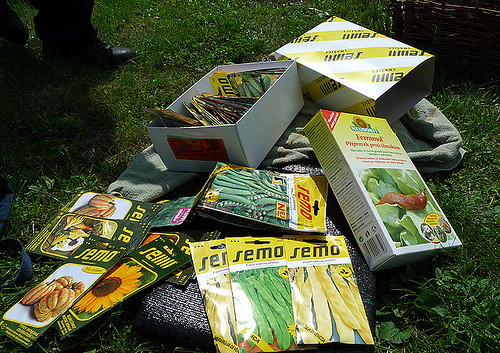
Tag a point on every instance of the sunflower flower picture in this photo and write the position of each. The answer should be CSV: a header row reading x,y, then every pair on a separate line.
x,y
122,280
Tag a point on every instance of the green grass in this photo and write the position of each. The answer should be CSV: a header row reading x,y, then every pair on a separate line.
x,y
67,127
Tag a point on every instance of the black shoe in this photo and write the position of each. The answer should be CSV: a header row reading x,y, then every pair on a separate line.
x,y
98,52
12,28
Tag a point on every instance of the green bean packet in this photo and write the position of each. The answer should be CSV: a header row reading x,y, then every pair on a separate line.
x,y
265,199
67,232
143,267
48,300
261,294
326,302
212,274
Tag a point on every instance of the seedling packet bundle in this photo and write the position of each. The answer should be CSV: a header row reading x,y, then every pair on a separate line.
x,y
326,302
146,265
261,294
212,273
265,199
49,299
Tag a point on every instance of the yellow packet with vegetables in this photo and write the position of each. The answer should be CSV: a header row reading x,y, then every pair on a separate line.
x,y
326,301
212,272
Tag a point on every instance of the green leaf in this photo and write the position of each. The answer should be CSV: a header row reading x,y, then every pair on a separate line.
x,y
391,333
429,301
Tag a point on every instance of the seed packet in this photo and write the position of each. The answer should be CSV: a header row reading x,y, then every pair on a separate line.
x,y
67,231
183,241
261,294
326,301
110,206
265,199
144,266
173,212
212,273
48,300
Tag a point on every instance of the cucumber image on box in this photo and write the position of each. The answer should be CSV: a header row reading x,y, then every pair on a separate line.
x,y
393,215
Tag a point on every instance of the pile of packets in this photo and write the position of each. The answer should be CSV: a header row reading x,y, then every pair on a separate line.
x,y
235,94
111,248
269,294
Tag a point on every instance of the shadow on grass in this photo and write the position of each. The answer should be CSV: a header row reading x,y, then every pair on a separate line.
x,y
50,122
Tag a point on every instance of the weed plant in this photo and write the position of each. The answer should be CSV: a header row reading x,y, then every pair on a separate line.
x,y
67,127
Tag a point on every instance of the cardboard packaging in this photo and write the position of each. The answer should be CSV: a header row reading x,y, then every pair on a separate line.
x,y
392,213
346,67
246,143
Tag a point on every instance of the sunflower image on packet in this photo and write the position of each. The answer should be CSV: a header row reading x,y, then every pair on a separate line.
x,y
138,270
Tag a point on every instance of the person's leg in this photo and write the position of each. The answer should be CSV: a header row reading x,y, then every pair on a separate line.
x,y
12,28
66,30
64,22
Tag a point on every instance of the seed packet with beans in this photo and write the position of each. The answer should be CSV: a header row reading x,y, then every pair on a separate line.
x,y
48,300
261,294
326,302
212,273
265,199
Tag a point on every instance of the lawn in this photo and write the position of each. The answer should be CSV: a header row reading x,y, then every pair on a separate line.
x,y
68,127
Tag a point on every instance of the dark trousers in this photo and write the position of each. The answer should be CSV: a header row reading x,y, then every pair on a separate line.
x,y
64,22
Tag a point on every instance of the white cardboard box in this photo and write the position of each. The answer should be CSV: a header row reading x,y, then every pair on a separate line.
x,y
392,213
346,67
245,143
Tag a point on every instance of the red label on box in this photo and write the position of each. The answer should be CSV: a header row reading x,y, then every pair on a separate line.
x,y
198,149
331,118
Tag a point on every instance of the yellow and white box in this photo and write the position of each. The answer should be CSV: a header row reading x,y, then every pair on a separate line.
x,y
349,68
393,215
245,143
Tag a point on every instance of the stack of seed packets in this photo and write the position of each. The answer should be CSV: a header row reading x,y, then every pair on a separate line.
x,y
48,300
148,264
286,293
106,216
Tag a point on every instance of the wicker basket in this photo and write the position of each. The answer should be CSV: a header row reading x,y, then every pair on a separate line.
x,y
448,30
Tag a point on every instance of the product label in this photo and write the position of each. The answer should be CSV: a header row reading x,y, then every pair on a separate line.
x,y
198,149
308,210
261,294
221,85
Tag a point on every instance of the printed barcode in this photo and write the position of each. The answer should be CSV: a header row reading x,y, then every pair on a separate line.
x,y
374,247
214,145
